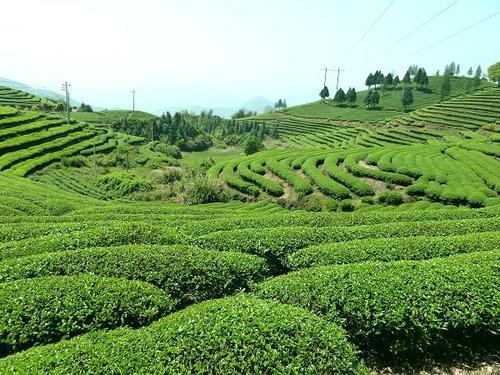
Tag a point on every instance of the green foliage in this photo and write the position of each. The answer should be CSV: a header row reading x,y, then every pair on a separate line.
x,y
324,93
252,145
124,183
42,310
407,308
393,249
203,189
407,98
494,73
390,198
187,274
224,335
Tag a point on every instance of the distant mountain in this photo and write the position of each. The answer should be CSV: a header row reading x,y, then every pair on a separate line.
x,y
257,104
35,91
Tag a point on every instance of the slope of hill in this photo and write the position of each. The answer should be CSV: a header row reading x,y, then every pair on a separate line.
x,y
389,105
44,93
13,97
108,116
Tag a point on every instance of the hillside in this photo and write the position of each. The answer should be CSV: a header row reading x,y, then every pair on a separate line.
x,y
108,116
389,105
13,97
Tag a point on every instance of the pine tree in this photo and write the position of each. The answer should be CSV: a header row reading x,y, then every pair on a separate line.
x,y
406,79
418,77
395,81
324,93
445,86
340,97
351,96
478,72
437,73
469,72
369,80
407,98
457,71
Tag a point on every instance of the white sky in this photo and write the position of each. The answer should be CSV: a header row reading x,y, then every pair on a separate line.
x,y
221,53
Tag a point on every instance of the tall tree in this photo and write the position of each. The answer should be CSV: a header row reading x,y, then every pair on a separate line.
x,y
479,71
339,97
395,81
452,68
494,73
413,69
351,96
369,81
469,72
424,80
407,98
457,71
437,73
445,86
406,79
418,77
372,98
324,93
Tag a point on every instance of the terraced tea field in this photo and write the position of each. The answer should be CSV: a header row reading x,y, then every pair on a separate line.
x,y
407,278
13,97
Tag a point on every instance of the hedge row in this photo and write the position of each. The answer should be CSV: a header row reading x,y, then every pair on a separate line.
x,y
324,219
187,274
327,186
356,185
105,235
277,243
236,182
405,307
300,185
266,184
43,310
393,249
237,335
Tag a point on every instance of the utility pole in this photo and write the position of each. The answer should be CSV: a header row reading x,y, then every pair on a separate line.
x,y
338,75
65,88
133,100
152,130
326,71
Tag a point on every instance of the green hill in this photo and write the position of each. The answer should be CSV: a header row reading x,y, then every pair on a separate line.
x,y
13,97
389,105
108,116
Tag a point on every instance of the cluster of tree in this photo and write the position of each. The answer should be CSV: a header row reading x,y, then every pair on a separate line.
x,y
192,132
281,103
242,112
372,99
350,97
383,81
421,78
85,108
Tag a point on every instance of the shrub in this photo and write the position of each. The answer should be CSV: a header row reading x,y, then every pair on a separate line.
x,y
476,200
168,175
390,198
367,200
203,189
405,308
346,205
111,234
43,310
124,183
253,145
392,249
187,274
216,336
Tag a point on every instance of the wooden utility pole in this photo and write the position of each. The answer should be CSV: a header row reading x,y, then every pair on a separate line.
x,y
133,100
338,76
326,71
65,88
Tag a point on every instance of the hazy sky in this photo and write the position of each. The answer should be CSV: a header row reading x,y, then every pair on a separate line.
x,y
221,53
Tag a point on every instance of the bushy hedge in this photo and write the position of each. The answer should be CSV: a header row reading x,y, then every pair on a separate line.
x,y
327,186
104,235
187,274
277,243
390,198
392,249
405,307
299,184
236,335
42,310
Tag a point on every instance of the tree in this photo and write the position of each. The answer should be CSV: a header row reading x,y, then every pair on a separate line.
x,y
369,80
379,78
413,69
60,107
457,71
372,98
406,79
452,68
469,72
388,80
421,78
437,73
85,108
395,81
468,85
478,72
278,104
407,98
324,93
418,77
253,145
351,96
476,82
284,103
339,97
494,73
445,86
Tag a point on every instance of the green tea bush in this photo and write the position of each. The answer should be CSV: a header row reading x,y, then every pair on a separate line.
x,y
390,198
392,249
346,205
187,274
277,243
74,162
202,189
43,310
124,183
404,308
236,335
110,234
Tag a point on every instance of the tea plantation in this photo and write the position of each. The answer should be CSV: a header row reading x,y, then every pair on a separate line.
x,y
352,247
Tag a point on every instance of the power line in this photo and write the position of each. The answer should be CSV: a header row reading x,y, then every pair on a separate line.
x,y
374,23
455,34
422,25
